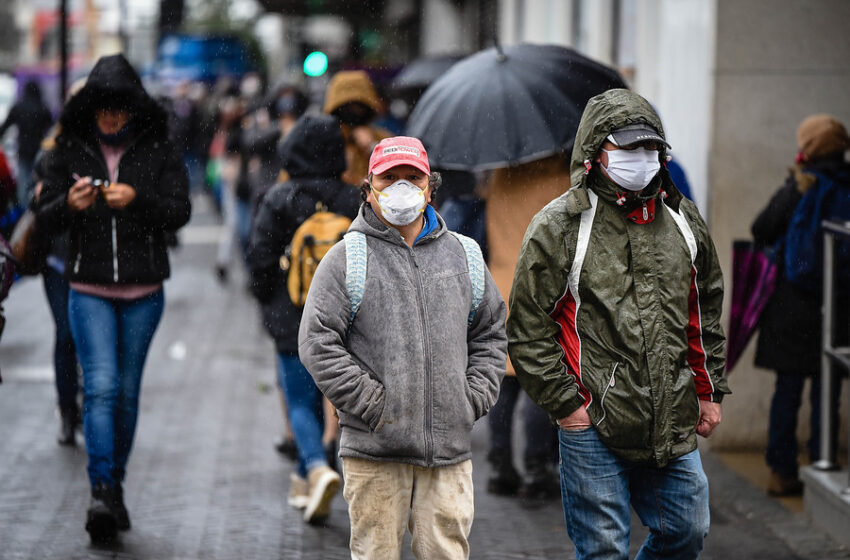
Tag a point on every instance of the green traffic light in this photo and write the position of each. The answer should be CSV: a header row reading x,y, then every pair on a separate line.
x,y
315,64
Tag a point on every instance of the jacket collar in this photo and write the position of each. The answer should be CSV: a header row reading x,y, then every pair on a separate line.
x,y
368,223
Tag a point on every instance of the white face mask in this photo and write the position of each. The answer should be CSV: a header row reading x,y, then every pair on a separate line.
x,y
632,169
401,203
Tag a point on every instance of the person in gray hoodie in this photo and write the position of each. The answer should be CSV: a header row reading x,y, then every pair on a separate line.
x,y
411,353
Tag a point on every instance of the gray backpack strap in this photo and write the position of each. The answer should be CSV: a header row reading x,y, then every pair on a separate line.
x,y
475,264
356,256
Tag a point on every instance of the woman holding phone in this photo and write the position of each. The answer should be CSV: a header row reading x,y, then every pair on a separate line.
x,y
118,185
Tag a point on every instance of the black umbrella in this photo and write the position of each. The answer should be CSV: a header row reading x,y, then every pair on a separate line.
x,y
504,107
421,73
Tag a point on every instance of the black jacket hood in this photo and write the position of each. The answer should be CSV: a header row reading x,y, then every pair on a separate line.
x,y
314,148
113,83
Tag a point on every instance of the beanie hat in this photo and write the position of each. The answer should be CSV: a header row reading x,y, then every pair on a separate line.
x,y
822,135
350,86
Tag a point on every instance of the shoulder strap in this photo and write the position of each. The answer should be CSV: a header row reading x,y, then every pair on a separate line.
x,y
356,257
475,264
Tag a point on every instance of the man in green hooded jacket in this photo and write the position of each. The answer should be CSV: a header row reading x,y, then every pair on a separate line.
x,y
614,330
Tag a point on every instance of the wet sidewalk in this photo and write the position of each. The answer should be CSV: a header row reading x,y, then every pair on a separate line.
x,y
204,481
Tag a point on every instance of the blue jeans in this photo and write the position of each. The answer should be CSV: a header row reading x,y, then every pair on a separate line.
x,y
540,436
112,338
597,488
64,353
304,405
782,428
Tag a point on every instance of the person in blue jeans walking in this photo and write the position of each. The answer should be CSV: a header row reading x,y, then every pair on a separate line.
x,y
115,183
313,155
615,331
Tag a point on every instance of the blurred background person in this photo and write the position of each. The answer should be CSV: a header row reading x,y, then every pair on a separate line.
x,y
224,170
351,97
117,259
32,119
313,156
790,336
184,131
65,364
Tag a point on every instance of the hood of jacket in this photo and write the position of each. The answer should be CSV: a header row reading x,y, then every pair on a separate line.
x,y
314,148
603,114
113,82
349,86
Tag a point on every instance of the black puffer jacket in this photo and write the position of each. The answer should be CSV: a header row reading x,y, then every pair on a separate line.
x,y
107,245
790,328
314,156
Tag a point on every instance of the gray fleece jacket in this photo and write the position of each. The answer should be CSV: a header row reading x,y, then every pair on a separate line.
x,y
411,376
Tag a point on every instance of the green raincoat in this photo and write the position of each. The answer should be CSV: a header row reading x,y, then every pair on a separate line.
x,y
616,302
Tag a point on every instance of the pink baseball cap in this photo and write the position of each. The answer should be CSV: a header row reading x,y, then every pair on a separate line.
x,y
399,150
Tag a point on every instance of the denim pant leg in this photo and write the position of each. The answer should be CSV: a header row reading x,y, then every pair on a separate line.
x,y
304,405
595,495
673,502
781,452
137,323
64,353
500,418
94,324
541,437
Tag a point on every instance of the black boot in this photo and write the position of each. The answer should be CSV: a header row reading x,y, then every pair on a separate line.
x,y
504,480
542,481
286,447
122,517
101,523
70,418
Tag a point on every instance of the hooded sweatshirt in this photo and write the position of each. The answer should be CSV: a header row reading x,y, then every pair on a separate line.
x,y
111,246
314,157
409,376
617,307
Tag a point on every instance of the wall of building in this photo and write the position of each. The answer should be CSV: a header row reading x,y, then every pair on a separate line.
x,y
776,63
673,69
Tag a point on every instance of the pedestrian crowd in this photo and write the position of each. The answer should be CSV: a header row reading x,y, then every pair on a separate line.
x,y
406,302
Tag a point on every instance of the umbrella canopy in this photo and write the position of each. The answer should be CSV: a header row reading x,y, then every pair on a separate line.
x,y
422,72
754,277
504,107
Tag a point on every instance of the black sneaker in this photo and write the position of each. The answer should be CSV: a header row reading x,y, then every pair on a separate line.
x,y
101,523
122,517
67,429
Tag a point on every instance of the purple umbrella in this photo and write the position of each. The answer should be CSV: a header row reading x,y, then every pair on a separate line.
x,y
754,277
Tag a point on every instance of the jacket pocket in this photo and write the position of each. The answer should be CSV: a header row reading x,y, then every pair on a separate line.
x,y
685,405
612,381
621,411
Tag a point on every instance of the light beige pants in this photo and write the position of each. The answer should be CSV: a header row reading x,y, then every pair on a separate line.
x,y
436,503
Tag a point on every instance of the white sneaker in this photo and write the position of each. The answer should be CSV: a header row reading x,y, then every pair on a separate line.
x,y
299,492
324,483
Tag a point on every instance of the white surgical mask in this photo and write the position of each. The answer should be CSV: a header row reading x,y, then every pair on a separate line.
x,y
632,169
401,203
